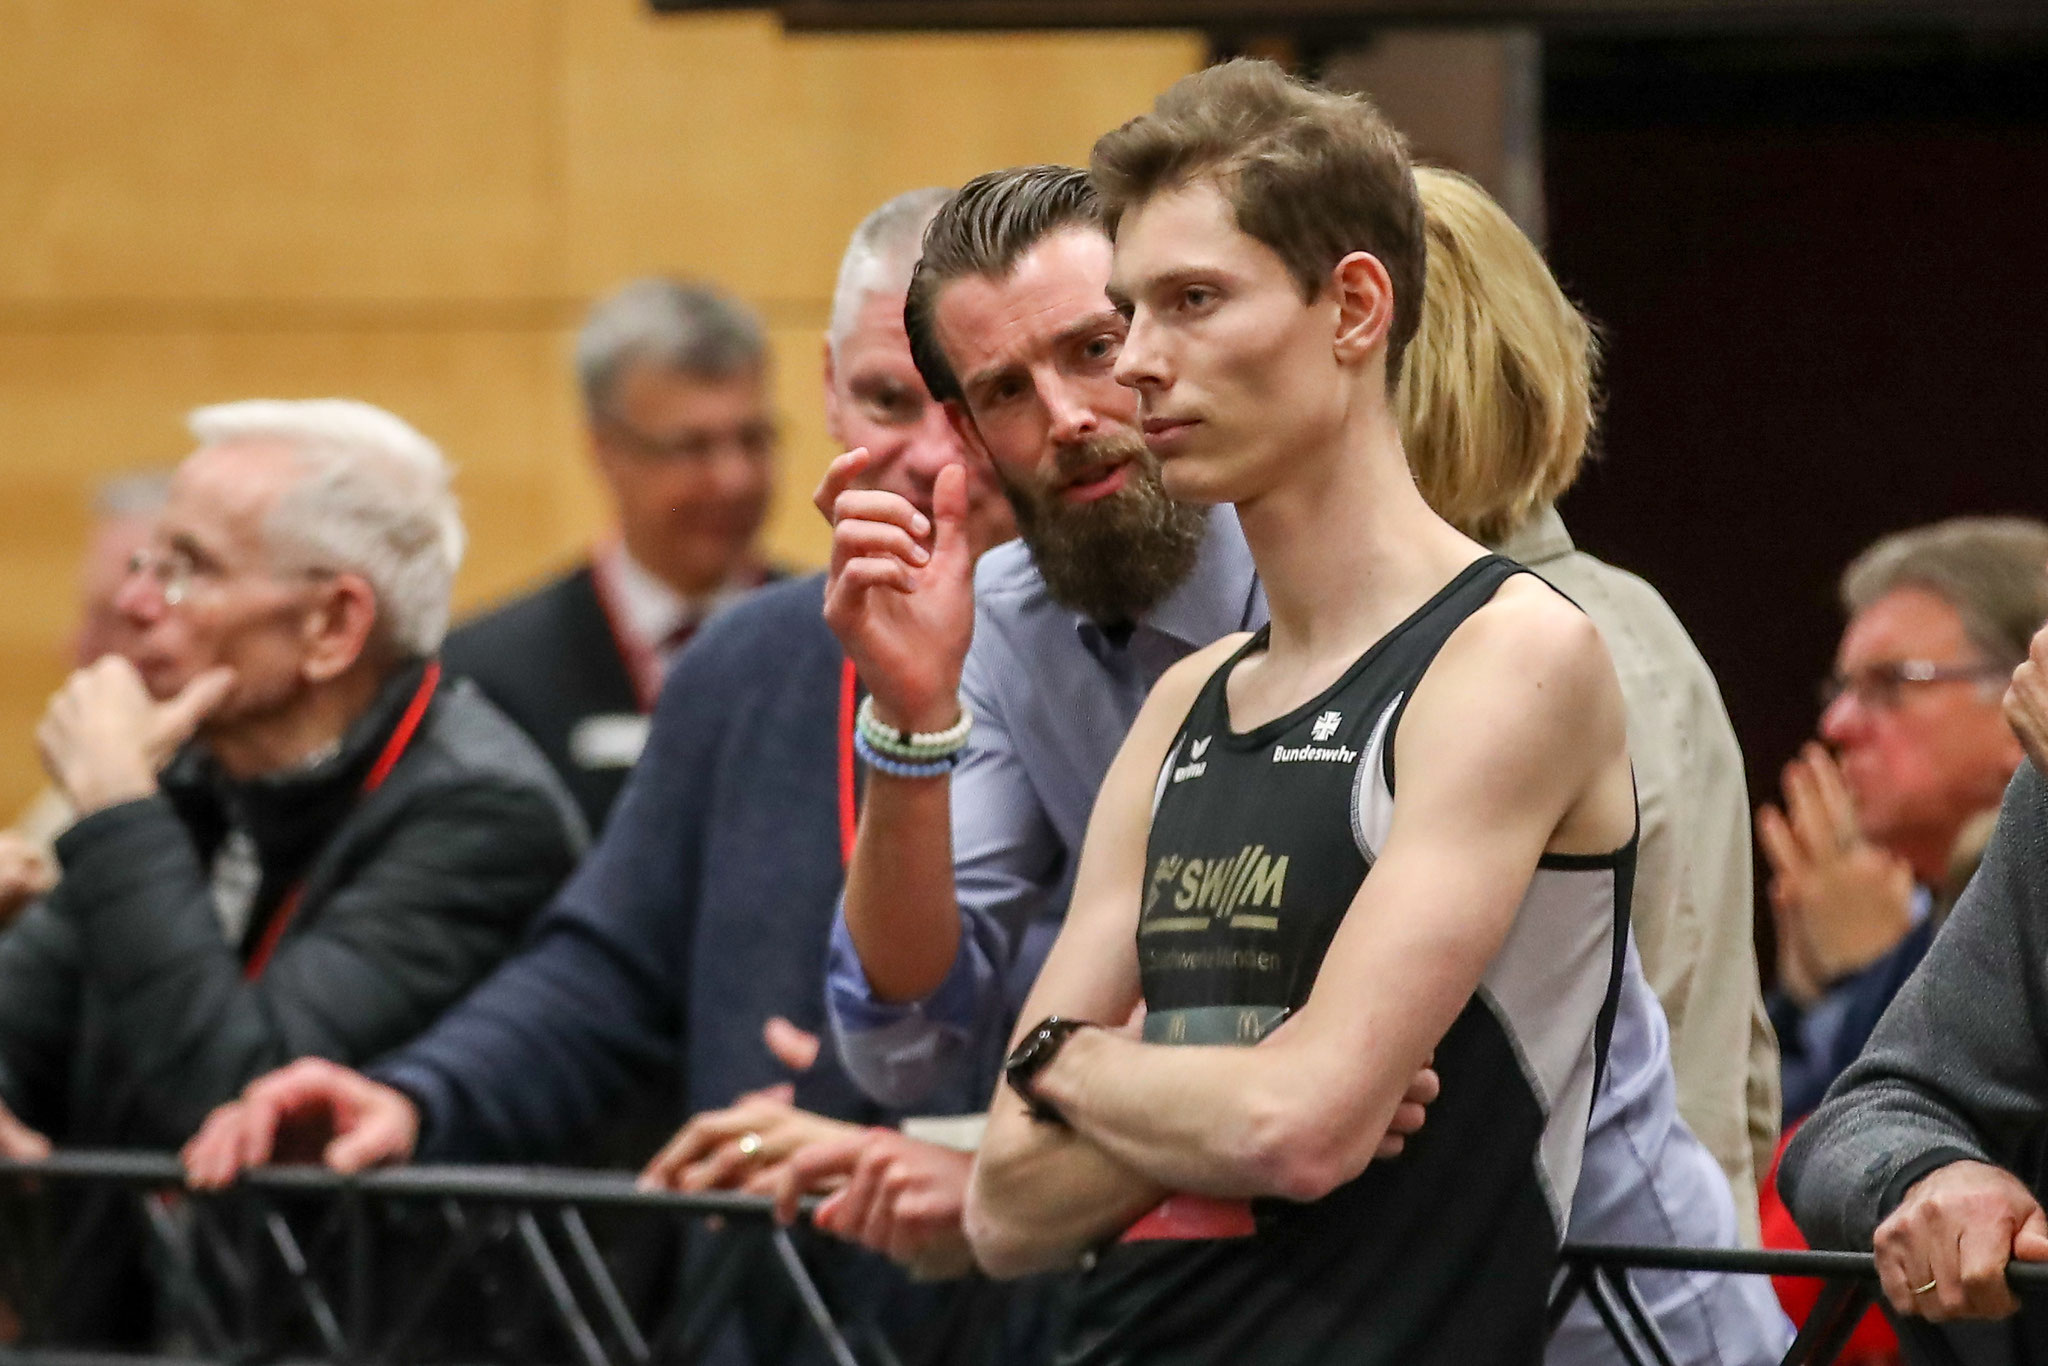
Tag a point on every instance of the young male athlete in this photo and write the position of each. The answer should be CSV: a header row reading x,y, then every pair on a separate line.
x,y
1249,875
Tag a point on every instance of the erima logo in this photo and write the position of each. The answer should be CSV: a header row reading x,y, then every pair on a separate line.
x,y
1198,748
1198,766
1326,726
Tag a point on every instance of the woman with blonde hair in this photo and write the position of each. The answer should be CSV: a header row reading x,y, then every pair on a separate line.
x,y
1498,403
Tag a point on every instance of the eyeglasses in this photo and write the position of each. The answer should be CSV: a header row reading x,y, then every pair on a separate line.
x,y
698,445
1882,686
175,570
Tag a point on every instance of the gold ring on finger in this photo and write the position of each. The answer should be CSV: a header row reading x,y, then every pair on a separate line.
x,y
1923,1289
749,1144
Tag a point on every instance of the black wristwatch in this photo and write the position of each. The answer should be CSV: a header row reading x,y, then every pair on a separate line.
x,y
1032,1055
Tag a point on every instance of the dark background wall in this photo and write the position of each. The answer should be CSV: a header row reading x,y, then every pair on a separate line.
x,y
1822,273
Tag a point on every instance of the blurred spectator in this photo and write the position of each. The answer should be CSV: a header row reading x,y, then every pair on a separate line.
x,y
338,847
1493,464
674,379
1938,617
1928,1150
124,514
700,918
124,511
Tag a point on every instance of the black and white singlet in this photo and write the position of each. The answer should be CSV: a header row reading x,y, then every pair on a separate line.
x,y
1260,841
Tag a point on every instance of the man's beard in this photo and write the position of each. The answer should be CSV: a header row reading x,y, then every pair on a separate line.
x,y
1116,558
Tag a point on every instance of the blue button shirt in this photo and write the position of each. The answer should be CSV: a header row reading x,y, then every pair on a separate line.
x,y
1052,697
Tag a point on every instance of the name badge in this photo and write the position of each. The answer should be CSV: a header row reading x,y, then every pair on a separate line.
x,y
609,740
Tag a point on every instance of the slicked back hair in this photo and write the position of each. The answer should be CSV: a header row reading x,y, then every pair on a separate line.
x,y
984,230
1313,174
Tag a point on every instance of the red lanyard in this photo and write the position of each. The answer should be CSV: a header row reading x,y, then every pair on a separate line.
x,y
849,812
394,749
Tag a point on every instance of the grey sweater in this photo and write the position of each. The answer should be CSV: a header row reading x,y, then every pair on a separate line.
x,y
1957,1068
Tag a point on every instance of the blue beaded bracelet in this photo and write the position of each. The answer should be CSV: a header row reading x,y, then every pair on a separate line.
x,y
897,768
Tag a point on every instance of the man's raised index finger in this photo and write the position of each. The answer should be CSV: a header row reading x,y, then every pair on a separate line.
x,y
838,475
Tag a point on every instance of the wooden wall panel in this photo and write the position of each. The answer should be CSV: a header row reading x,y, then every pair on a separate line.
x,y
77,408
188,149
412,204
717,146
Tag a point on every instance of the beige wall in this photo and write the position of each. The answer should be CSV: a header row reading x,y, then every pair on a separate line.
x,y
410,203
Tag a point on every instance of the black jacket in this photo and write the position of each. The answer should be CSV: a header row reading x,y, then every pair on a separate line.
x,y
549,661
124,1012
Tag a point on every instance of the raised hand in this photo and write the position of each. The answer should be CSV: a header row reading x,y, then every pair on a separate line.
x,y
309,1111
103,737
900,593
1839,901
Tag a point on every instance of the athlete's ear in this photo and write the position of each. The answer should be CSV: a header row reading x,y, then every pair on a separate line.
x,y
1365,306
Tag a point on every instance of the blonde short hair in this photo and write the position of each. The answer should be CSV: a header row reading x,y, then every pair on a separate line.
x,y
1498,400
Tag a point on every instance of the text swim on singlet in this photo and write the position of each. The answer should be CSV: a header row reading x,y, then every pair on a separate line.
x,y
1246,888
1189,892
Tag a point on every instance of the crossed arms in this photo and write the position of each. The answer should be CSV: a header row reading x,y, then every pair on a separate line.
x,y
1512,746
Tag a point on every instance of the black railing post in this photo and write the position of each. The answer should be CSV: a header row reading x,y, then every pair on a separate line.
x,y
357,1237
813,1302
1828,1327
591,1261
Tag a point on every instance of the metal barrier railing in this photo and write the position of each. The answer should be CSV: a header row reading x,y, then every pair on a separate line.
x,y
219,1257
219,1260
1849,1288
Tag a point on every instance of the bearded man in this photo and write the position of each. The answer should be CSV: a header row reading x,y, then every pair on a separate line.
x,y
1112,584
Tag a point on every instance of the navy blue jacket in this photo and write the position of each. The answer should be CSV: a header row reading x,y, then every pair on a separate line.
x,y
549,661
702,911
1808,1073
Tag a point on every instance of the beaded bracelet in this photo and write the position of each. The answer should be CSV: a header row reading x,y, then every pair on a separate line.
x,y
922,747
899,768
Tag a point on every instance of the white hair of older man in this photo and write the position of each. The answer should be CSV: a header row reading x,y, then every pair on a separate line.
x,y
880,256
374,501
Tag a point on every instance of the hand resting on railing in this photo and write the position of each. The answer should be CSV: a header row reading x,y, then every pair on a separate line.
x,y
309,1111
1943,1253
